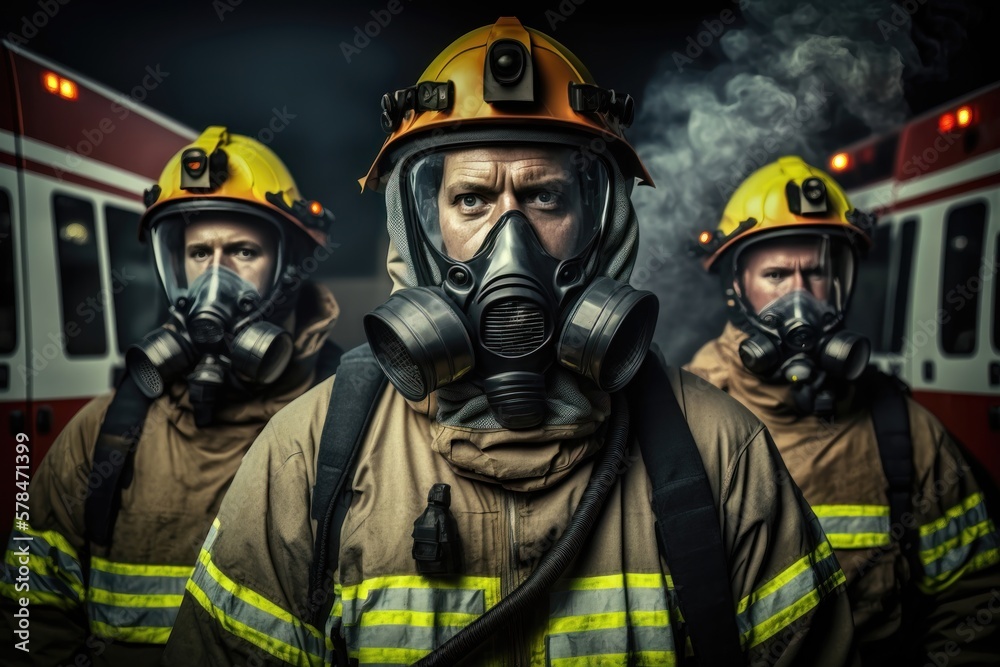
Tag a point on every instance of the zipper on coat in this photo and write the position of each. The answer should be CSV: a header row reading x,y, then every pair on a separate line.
x,y
517,654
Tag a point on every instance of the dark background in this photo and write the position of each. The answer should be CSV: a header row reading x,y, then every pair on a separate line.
x,y
234,64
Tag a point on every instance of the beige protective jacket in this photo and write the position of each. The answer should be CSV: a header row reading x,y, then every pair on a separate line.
x,y
512,495
115,605
837,465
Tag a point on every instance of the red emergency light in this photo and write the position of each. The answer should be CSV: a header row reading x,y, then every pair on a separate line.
x,y
60,85
962,117
840,162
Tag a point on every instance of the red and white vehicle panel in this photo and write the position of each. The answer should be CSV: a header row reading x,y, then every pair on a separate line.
x,y
928,296
76,286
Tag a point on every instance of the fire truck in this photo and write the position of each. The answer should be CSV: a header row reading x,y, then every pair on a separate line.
x,y
76,286
928,295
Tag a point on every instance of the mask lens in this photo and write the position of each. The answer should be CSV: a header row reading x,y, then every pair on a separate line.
x,y
457,195
187,247
787,281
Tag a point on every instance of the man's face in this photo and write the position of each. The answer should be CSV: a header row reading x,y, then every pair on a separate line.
x,y
481,184
773,269
247,248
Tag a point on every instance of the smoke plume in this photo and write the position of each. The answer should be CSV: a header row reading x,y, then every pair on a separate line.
x,y
771,78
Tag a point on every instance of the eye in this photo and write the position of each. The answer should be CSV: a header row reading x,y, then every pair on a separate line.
x,y
470,204
546,200
198,253
247,253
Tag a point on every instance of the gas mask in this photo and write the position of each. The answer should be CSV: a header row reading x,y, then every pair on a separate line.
x,y
222,331
502,314
798,337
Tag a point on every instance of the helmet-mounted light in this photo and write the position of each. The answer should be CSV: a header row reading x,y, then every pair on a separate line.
x,y
808,199
310,214
711,240
508,75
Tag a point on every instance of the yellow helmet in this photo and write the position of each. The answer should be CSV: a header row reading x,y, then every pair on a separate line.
x,y
509,75
231,171
787,196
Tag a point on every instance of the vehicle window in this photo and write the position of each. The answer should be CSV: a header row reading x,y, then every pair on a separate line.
x,y
907,237
140,305
996,295
961,280
866,313
8,302
81,297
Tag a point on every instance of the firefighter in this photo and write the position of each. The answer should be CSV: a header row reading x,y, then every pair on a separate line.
x,y
123,500
895,494
476,481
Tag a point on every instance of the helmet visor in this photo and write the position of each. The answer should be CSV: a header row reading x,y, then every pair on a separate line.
x,y
186,246
458,194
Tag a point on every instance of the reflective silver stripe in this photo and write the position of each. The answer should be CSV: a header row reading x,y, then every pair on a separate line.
x,y
399,636
45,561
132,617
257,619
137,584
210,538
974,515
41,584
809,579
382,628
589,642
614,621
855,524
957,556
440,600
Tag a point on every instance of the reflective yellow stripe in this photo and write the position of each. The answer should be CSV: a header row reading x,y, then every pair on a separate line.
x,y
799,566
140,569
397,656
855,526
53,538
858,540
251,597
138,635
38,597
275,647
850,510
614,619
630,579
360,591
967,536
813,591
654,619
53,566
421,619
776,623
953,513
133,600
638,658
934,585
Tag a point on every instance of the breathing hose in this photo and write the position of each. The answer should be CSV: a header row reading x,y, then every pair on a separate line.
x,y
558,558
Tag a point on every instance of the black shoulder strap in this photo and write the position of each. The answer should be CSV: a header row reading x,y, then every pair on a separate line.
x,y
687,524
891,420
113,454
359,382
